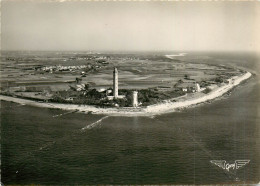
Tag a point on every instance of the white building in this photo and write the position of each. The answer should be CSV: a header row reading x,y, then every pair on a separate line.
x,y
135,99
115,87
115,83
197,87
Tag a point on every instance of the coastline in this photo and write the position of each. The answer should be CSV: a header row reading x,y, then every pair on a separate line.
x,y
160,108
171,106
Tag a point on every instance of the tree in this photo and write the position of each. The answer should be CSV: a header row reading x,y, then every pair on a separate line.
x,y
219,80
86,86
78,80
207,90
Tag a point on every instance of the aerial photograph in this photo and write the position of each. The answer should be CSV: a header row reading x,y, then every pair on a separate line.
x,y
130,92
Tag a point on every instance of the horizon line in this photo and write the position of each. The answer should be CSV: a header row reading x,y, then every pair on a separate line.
x,y
121,51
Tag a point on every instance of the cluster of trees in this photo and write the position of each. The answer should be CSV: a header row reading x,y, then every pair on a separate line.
x,y
90,97
148,96
207,90
219,80
204,84
115,102
93,97
58,99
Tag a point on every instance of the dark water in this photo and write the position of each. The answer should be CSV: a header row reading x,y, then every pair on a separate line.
x,y
173,148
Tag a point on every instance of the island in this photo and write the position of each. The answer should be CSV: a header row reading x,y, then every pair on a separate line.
x,y
116,84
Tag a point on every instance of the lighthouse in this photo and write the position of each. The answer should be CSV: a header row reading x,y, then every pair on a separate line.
x,y
135,99
115,83
197,87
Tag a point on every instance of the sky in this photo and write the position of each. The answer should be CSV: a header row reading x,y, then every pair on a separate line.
x,y
130,26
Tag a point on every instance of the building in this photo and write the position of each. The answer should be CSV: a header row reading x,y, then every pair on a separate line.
x,y
135,99
101,89
189,87
115,83
185,89
108,91
115,87
197,87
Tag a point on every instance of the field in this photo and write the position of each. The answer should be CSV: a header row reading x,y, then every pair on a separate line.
x,y
25,74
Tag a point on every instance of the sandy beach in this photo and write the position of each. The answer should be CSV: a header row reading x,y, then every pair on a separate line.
x,y
171,106
167,106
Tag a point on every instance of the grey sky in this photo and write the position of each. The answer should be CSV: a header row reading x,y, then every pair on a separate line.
x,y
135,26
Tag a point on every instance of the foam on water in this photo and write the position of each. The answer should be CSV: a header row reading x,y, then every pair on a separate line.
x,y
92,125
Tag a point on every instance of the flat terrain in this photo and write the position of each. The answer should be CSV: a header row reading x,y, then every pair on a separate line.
x,y
136,71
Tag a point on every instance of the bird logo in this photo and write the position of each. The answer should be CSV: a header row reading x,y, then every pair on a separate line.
x,y
226,166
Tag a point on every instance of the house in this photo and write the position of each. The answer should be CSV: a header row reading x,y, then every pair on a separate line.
x,y
189,87
184,89
70,98
101,89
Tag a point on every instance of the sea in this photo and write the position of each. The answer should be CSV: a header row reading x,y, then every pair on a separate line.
x,y
47,146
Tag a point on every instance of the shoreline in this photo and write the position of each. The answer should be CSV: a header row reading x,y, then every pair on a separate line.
x,y
160,108
164,108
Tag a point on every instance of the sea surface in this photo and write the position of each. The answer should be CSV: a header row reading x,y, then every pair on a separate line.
x,y
46,146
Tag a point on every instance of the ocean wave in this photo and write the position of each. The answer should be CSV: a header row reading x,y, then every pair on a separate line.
x,y
92,125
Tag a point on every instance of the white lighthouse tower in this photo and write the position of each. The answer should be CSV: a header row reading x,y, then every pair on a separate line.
x,y
135,99
115,83
197,87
